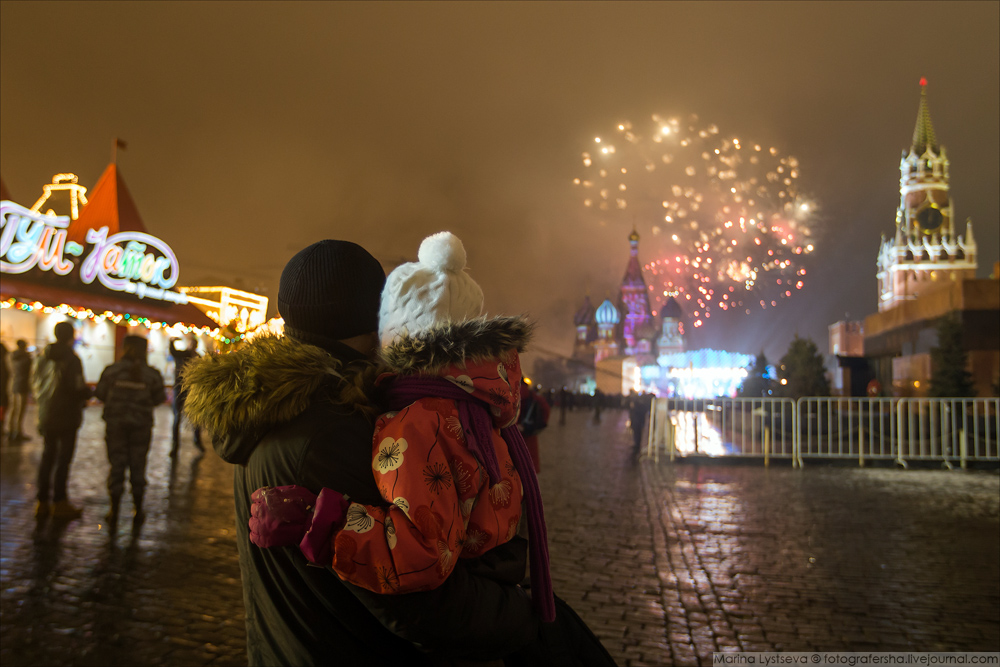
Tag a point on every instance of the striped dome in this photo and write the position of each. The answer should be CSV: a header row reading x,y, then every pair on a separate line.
x,y
607,313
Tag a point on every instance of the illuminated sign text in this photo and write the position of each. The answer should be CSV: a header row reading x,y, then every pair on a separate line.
x,y
121,262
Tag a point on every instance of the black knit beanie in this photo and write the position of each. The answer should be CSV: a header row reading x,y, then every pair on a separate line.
x,y
330,291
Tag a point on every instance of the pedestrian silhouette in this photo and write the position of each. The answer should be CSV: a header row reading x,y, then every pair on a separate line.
x,y
20,389
639,406
4,375
130,389
532,419
181,359
61,394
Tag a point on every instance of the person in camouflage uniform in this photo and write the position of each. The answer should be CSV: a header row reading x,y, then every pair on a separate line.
x,y
129,389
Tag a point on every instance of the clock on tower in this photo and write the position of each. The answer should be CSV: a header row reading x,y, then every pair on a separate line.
x,y
929,219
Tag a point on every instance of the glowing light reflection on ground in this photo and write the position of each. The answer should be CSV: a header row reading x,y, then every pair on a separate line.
x,y
696,435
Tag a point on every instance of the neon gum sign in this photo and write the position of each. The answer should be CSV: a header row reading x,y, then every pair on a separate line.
x,y
121,262
108,259
32,239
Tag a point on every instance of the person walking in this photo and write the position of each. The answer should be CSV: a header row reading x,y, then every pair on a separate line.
x,y
62,393
20,389
181,359
533,418
129,388
598,404
639,406
4,378
296,410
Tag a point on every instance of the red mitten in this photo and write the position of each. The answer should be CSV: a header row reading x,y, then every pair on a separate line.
x,y
329,517
280,515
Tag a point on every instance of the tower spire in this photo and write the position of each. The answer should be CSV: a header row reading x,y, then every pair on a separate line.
x,y
923,133
925,247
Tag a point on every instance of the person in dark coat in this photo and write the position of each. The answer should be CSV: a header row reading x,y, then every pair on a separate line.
x,y
62,393
181,359
533,418
130,389
294,410
639,406
20,389
564,399
4,380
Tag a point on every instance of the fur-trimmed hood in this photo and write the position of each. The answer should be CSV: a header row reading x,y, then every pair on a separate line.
x,y
480,356
456,344
268,381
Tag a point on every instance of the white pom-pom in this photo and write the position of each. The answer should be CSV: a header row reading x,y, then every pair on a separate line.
x,y
442,252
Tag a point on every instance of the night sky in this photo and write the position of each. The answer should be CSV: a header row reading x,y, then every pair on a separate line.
x,y
254,129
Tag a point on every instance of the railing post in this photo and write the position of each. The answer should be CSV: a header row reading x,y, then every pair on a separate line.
x,y
962,447
945,443
671,437
861,444
655,427
651,437
796,437
899,433
767,446
694,422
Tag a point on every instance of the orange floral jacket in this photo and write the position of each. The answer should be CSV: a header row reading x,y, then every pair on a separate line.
x,y
441,503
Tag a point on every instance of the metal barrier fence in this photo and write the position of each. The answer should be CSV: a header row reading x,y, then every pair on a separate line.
x,y
843,428
949,430
723,427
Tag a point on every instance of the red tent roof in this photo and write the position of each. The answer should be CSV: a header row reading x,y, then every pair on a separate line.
x,y
109,205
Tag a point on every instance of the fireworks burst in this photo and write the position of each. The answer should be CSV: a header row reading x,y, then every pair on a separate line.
x,y
728,224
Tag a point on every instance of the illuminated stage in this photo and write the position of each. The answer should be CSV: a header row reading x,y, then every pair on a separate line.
x,y
697,374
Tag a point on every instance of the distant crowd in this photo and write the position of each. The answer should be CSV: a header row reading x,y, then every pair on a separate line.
x,y
130,389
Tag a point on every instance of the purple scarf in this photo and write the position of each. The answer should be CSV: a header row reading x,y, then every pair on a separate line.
x,y
477,425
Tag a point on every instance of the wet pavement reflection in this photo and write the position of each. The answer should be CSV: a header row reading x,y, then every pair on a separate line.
x,y
164,591
672,562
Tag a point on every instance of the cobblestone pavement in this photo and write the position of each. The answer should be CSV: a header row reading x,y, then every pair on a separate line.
x,y
667,564
671,563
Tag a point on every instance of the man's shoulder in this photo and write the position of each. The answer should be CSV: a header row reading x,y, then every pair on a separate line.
x,y
323,419
111,370
153,377
325,445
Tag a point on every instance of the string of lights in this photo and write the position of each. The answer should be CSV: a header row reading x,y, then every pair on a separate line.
x,y
124,319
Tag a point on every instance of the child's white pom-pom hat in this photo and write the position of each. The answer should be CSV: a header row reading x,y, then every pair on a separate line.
x,y
433,290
